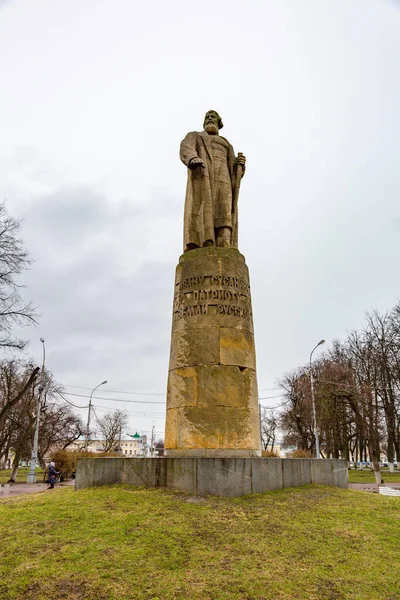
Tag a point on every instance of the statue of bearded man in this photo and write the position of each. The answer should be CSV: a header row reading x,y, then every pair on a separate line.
x,y
214,175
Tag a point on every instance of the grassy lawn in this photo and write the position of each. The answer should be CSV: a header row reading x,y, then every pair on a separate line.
x,y
311,543
367,476
21,475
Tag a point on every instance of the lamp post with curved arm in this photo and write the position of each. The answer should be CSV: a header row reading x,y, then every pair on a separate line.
x,y
90,408
317,454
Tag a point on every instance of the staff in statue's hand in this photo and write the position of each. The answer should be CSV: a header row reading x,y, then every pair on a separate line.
x,y
240,168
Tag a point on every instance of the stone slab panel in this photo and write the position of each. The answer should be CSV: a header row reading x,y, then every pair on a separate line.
x,y
218,320
237,348
321,471
266,474
221,385
226,428
251,388
296,472
340,474
107,471
139,472
177,429
84,473
183,387
194,346
229,477
181,474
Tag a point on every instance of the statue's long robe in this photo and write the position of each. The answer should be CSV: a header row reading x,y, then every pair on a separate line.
x,y
209,196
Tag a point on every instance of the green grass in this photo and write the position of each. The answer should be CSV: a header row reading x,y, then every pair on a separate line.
x,y
367,476
21,475
311,543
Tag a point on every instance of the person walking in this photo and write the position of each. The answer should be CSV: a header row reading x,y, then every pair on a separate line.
x,y
53,474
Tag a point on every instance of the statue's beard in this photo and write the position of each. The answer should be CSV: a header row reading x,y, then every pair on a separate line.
x,y
211,128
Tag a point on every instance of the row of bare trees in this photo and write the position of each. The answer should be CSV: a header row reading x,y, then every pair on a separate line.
x,y
20,382
357,395
19,394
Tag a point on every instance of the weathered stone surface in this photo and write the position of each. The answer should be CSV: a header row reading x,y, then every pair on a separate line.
x,y
212,289
220,476
213,453
195,346
221,386
229,428
266,474
214,176
212,399
183,387
296,472
237,348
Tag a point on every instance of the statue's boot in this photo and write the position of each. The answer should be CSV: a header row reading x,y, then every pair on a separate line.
x,y
224,235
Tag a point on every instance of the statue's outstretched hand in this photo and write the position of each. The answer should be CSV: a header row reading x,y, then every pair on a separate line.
x,y
196,162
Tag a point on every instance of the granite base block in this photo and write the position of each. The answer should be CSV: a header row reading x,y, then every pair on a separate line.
x,y
230,477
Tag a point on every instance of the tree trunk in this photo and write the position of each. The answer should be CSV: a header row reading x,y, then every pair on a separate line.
x,y
14,469
377,473
376,464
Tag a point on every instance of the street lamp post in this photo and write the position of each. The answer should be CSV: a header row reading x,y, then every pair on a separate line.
x,y
31,477
90,408
317,454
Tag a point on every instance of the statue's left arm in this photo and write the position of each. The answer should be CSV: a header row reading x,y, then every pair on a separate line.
x,y
188,150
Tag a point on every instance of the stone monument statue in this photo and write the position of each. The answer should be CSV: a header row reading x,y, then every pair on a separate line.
x,y
212,191
212,397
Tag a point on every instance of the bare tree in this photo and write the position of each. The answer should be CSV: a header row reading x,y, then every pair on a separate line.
x,y
13,261
16,383
111,426
269,426
296,417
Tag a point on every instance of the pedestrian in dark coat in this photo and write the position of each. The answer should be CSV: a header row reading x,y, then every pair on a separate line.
x,y
53,474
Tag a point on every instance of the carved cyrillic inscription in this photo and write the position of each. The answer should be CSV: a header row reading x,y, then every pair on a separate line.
x,y
221,280
212,294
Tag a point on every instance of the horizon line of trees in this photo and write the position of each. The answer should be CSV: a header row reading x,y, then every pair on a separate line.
x,y
357,397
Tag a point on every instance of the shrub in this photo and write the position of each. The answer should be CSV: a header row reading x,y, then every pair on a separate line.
x,y
65,461
299,454
270,454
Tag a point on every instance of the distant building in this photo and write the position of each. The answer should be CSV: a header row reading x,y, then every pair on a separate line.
x,y
131,445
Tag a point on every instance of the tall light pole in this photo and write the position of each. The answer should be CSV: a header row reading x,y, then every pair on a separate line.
x,y
90,408
317,454
31,478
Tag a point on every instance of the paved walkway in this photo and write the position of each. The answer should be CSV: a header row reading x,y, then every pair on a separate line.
x,y
371,487
8,490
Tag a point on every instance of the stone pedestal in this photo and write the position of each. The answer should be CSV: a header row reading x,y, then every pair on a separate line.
x,y
212,400
231,477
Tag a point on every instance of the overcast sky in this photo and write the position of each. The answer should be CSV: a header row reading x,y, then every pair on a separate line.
x,y
95,98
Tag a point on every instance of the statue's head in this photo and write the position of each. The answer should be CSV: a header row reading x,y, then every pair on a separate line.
x,y
212,122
